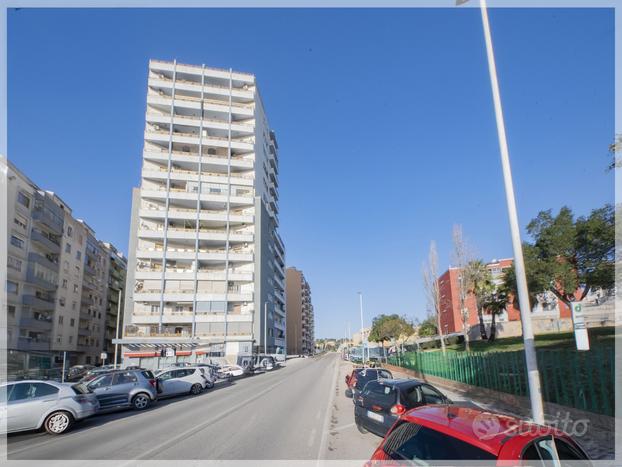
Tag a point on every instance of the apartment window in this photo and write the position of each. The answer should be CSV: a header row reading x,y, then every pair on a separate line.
x,y
68,248
155,308
14,263
64,285
59,339
16,241
20,221
11,311
60,319
78,255
66,266
75,288
77,270
81,239
70,339
99,315
61,301
179,308
74,306
69,230
12,287
23,200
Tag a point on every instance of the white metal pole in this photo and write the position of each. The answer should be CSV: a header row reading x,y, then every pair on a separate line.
x,y
535,391
265,328
363,339
62,378
116,346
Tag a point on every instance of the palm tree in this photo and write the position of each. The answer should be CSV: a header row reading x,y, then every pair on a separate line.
x,y
495,303
480,284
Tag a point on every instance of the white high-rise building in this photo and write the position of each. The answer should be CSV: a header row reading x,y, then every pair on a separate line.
x,y
206,264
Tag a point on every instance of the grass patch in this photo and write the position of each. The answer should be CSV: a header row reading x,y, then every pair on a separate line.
x,y
598,336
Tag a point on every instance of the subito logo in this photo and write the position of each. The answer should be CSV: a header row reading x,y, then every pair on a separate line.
x,y
486,425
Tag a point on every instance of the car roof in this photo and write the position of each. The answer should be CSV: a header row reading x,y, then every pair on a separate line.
x,y
473,425
401,382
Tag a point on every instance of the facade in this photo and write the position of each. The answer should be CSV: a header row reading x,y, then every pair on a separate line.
x,y
206,265
49,279
117,269
300,317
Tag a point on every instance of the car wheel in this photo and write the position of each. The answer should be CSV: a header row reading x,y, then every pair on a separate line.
x,y
209,384
141,401
359,426
58,422
196,389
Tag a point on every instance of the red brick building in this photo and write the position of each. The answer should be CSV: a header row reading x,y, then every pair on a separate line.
x,y
451,319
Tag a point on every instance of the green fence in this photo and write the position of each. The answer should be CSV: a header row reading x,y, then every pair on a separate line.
x,y
584,380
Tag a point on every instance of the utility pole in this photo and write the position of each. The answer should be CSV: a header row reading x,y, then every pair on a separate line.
x,y
265,327
533,375
363,339
116,345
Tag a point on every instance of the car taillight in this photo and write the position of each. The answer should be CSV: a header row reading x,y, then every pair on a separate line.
x,y
398,409
81,399
152,382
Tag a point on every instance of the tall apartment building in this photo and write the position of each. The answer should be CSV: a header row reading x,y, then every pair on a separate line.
x,y
49,279
117,270
300,318
206,264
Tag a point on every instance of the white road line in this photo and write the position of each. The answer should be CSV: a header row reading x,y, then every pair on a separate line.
x,y
311,437
327,413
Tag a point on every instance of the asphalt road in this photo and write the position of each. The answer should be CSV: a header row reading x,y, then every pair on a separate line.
x,y
283,414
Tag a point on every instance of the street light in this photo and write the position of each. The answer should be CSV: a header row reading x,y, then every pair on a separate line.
x,y
363,338
533,375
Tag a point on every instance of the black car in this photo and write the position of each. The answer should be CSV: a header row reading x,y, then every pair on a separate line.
x,y
363,376
382,402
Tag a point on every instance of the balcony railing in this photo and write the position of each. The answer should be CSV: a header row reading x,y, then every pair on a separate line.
x,y
198,119
208,101
194,172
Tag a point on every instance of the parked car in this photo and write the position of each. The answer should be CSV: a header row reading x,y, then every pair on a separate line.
x,y
180,364
122,389
446,433
361,376
382,401
94,373
233,371
32,404
190,380
77,372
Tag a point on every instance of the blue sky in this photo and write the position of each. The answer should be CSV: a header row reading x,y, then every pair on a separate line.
x,y
384,120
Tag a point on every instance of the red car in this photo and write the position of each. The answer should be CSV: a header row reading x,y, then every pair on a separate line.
x,y
452,433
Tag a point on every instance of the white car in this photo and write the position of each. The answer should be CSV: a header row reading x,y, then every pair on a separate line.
x,y
32,404
232,370
190,380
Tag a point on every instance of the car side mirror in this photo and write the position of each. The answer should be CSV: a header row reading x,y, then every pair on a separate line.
x,y
349,393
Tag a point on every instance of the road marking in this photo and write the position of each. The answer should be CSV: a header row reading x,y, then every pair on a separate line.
x,y
312,437
194,430
327,413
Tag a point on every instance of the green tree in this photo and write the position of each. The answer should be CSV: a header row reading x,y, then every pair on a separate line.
x,y
566,254
480,284
387,328
427,328
494,303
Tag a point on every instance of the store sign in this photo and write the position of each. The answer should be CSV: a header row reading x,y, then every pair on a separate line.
x,y
170,352
580,329
103,356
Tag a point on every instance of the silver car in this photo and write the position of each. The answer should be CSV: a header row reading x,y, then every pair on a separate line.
x,y
190,380
123,389
31,404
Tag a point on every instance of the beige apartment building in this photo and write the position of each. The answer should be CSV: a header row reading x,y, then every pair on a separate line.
x,y
300,319
57,282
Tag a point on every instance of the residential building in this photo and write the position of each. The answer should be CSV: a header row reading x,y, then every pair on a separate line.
x,y
117,269
206,264
48,281
300,316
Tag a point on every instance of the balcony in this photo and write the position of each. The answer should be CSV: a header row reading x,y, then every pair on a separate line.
x,y
33,343
36,324
43,217
213,105
39,281
46,242
39,302
48,262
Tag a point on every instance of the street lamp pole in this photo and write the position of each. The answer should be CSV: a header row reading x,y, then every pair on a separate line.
x,y
363,339
533,375
265,328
